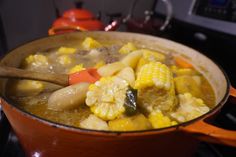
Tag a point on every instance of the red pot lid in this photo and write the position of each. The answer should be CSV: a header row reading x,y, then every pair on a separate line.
x,y
86,24
78,14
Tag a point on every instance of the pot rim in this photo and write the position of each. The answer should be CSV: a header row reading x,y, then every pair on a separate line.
x,y
120,133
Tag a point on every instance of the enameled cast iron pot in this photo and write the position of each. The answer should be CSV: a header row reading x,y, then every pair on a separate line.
x,y
43,138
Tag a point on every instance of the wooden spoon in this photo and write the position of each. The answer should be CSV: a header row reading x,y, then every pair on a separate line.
x,y
88,75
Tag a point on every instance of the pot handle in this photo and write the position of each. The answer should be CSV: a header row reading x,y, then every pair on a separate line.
x,y
232,93
210,133
63,29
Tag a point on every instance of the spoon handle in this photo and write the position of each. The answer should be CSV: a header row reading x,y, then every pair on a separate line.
x,y
10,72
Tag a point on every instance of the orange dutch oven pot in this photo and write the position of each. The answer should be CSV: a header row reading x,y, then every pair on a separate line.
x,y
43,138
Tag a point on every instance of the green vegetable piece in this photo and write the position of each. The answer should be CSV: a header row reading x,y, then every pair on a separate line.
x,y
131,101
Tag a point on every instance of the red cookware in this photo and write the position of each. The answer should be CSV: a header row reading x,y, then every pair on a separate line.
x,y
40,137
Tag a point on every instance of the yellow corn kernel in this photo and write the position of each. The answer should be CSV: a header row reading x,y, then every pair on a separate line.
x,y
137,122
153,56
99,64
189,108
141,63
90,43
37,59
66,50
106,97
127,48
154,74
76,68
64,60
158,120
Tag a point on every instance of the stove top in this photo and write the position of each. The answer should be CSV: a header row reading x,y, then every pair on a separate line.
x,y
10,146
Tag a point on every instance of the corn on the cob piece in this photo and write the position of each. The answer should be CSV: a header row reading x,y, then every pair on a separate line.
x,y
137,122
66,50
154,74
127,48
149,56
76,68
95,123
189,108
64,60
90,43
106,97
158,120
155,87
153,56
36,60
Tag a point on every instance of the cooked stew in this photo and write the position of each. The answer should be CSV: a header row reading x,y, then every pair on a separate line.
x,y
136,88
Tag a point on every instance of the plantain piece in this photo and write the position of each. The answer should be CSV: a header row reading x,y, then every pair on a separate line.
x,y
158,120
187,84
132,58
111,69
131,101
127,48
136,122
93,122
189,108
68,98
128,75
155,87
106,97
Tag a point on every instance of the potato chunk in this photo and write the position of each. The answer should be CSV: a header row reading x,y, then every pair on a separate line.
x,y
158,120
95,123
187,84
27,87
137,122
90,43
127,48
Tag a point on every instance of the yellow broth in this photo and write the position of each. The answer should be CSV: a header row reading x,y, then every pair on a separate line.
x,y
36,103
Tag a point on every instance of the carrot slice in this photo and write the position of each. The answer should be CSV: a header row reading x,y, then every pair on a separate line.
x,y
179,61
89,75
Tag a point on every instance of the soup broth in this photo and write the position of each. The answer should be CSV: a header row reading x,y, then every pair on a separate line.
x,y
138,89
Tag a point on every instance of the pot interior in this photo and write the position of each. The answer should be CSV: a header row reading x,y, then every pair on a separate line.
x,y
212,72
